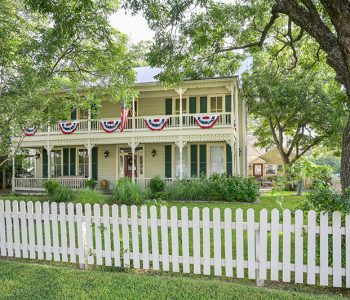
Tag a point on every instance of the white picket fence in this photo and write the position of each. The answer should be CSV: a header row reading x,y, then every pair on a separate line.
x,y
278,247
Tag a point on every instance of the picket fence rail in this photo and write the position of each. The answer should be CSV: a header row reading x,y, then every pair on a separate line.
x,y
202,242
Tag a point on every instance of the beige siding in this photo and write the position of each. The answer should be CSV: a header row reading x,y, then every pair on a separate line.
x,y
109,110
154,165
107,166
149,107
39,166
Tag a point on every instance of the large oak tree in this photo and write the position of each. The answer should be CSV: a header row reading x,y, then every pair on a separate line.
x,y
205,37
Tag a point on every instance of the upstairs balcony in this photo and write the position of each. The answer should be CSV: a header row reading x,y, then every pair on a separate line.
x,y
138,124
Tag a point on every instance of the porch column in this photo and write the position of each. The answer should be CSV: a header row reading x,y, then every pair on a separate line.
x,y
133,114
89,147
237,129
180,144
48,149
133,145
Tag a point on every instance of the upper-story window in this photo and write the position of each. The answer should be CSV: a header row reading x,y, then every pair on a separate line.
x,y
184,106
216,104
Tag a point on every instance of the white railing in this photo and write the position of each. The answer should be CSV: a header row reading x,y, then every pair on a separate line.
x,y
22,184
188,121
305,248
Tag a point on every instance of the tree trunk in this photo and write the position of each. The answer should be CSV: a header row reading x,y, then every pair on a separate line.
x,y
345,158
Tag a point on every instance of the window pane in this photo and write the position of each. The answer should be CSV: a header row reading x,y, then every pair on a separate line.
x,y
56,168
219,104
83,163
217,160
184,105
271,169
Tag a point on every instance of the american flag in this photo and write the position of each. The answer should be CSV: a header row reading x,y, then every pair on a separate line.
x,y
123,117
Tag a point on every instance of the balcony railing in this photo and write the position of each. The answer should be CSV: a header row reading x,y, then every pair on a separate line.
x,y
188,122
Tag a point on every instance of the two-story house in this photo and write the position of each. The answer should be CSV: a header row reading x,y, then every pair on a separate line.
x,y
193,129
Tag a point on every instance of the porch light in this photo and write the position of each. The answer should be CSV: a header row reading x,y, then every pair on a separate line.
x,y
154,152
37,155
106,153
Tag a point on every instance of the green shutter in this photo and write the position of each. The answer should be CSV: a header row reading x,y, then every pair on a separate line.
x,y
72,161
203,159
203,107
194,161
228,103
73,114
94,163
193,105
168,161
228,160
45,164
168,106
65,162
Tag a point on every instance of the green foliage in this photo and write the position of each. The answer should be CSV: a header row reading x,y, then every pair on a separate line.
x,y
329,160
62,194
126,192
90,184
327,200
156,185
89,196
188,190
51,186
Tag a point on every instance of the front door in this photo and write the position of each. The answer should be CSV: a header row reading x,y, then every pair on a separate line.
x,y
258,170
128,166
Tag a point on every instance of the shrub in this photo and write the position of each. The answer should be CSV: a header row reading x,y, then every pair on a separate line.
x,y
91,184
89,196
156,185
126,192
63,194
51,186
195,189
327,200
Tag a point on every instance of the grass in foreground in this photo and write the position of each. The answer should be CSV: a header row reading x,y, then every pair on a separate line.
x,y
29,281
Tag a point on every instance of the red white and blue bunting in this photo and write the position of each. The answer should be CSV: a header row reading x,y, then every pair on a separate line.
x,y
68,127
156,123
110,126
30,131
206,121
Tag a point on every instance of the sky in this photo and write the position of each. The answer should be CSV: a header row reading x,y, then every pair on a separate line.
x,y
137,29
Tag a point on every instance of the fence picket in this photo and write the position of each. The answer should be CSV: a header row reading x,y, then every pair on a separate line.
x,y
3,251
174,239
16,232
311,247
251,243
9,237
39,230
23,232
80,234
286,245
347,251
89,238
206,241
263,244
164,235
299,246
31,231
116,235
47,231
71,228
135,237
63,231
55,243
275,231
98,238
144,238
125,234
154,238
324,248
196,241
107,236
217,241
337,276
228,242
185,240
239,243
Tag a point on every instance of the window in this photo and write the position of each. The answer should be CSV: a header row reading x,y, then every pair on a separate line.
x,y
184,106
216,104
185,166
217,161
271,169
56,163
83,163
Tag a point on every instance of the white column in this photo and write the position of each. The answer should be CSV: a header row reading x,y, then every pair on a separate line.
x,y
49,162
237,131
89,147
181,119
89,120
231,89
133,114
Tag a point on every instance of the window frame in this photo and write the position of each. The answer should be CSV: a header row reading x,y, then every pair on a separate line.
x,y
223,97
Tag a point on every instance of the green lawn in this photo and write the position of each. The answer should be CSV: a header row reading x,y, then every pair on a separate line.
x,y
30,281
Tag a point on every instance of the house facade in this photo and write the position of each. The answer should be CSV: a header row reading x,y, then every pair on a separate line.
x,y
183,132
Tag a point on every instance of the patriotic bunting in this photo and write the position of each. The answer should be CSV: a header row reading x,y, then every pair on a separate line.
x,y
68,127
110,126
206,121
156,123
30,131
